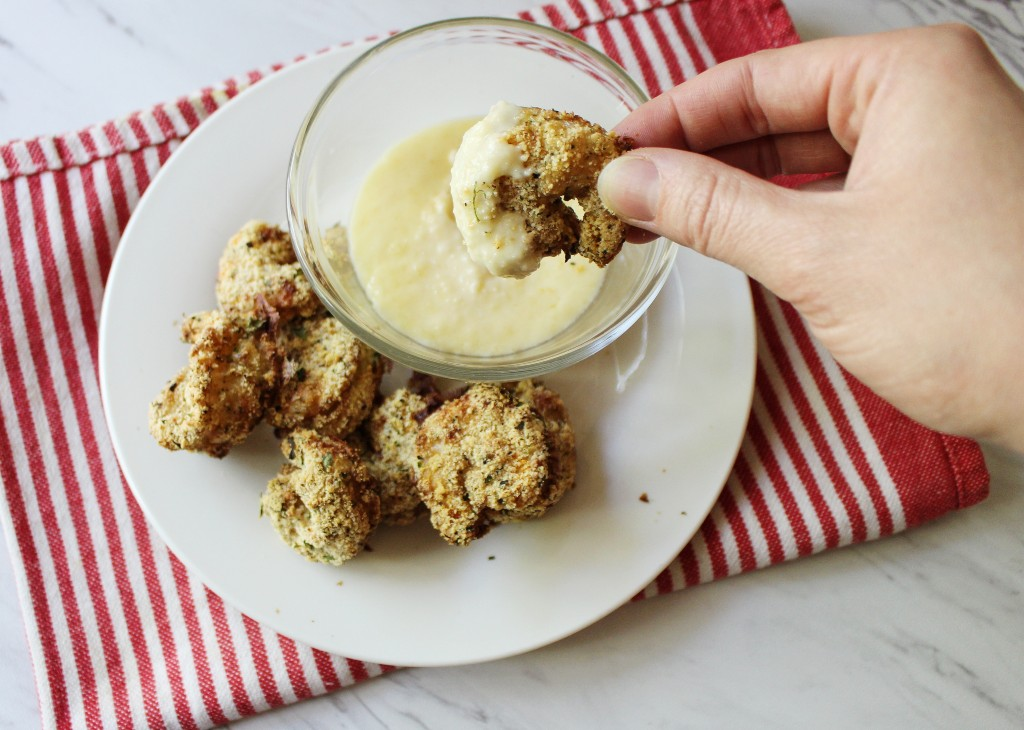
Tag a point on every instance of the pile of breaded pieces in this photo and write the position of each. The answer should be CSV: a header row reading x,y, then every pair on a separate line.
x,y
474,457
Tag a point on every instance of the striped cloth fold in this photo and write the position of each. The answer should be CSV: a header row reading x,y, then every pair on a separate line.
x,y
122,636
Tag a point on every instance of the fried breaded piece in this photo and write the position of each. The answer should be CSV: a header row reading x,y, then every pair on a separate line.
x,y
258,269
323,502
488,457
390,438
566,154
524,186
330,378
223,392
558,435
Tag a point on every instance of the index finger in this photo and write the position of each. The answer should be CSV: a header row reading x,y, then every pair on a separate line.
x,y
778,91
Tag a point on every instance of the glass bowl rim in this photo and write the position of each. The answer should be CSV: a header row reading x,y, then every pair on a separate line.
x,y
453,365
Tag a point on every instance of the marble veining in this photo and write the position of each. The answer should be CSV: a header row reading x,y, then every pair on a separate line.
x,y
1000,21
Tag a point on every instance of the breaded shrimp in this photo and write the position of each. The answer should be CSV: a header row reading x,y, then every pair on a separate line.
x,y
486,457
323,503
511,179
223,392
258,269
330,378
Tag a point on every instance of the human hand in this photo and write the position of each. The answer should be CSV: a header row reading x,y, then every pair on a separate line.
x,y
910,269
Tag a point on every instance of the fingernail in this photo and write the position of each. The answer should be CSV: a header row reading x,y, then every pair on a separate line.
x,y
629,186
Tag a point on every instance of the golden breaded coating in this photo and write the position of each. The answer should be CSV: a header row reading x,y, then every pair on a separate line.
x,y
487,457
566,154
390,433
223,392
330,378
558,435
258,269
524,186
192,326
323,502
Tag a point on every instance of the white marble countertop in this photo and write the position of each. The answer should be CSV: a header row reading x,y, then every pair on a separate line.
x,y
921,630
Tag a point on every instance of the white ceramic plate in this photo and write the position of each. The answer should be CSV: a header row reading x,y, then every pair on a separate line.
x,y
660,412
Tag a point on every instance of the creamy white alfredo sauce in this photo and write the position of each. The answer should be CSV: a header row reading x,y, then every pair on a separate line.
x,y
413,264
495,237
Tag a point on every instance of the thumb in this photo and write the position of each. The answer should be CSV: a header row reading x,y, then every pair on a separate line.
x,y
711,207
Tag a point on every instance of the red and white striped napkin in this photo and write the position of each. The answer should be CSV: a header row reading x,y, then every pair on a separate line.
x,y
123,636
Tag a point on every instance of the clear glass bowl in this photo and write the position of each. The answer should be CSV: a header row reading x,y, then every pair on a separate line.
x,y
435,73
